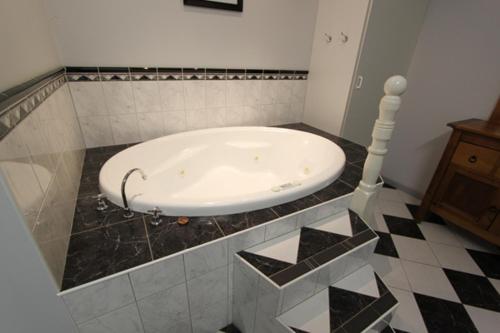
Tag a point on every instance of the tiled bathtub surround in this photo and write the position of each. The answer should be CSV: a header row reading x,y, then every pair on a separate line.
x,y
41,156
124,105
97,248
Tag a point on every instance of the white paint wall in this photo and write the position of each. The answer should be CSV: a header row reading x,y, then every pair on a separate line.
x,y
27,47
454,75
29,301
269,33
332,65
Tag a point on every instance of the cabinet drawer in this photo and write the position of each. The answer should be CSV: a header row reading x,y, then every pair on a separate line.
x,y
479,159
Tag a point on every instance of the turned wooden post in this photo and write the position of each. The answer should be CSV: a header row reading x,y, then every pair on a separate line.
x,y
364,195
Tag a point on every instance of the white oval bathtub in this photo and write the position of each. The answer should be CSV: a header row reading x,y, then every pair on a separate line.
x,y
222,170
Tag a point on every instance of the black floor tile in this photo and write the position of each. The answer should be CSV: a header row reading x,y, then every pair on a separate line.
x,y
268,266
355,153
442,316
351,175
403,227
474,290
385,245
488,262
101,252
170,237
345,304
432,218
295,206
388,186
389,329
230,329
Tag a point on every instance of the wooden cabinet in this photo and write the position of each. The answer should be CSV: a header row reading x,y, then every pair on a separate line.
x,y
465,189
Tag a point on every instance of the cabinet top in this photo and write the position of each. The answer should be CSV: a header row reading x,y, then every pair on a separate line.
x,y
477,126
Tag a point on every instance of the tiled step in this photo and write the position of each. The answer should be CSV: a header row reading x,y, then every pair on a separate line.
x,y
358,303
293,255
273,277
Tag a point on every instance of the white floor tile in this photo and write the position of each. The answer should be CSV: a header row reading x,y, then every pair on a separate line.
x,y
486,321
414,249
410,199
362,282
429,280
439,234
378,221
394,208
390,271
495,283
456,258
407,316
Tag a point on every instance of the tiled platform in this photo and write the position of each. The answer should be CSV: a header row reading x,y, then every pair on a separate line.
x,y
104,243
445,279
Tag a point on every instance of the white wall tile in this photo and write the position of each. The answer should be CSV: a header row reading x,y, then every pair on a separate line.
x,y
125,128
194,94
269,91
283,91
172,95
96,131
281,226
147,96
235,93
124,320
196,119
174,122
235,116
119,97
298,291
253,92
245,240
208,300
98,299
166,311
151,125
244,298
206,259
158,276
216,117
88,98
215,93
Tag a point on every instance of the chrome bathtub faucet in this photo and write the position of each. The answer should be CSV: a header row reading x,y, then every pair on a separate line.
x,y
156,217
128,213
101,203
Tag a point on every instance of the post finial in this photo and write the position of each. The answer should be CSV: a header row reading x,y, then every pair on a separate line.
x,y
395,85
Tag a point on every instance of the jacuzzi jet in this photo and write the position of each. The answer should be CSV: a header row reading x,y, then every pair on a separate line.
x,y
182,220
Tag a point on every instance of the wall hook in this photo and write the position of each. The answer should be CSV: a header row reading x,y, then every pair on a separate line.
x,y
328,38
343,38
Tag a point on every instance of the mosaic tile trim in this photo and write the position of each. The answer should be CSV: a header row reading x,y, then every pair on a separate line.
x,y
177,73
19,106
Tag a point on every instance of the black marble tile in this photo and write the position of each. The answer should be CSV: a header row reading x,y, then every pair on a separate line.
x,y
355,153
87,217
296,330
295,206
385,245
230,329
351,175
389,329
474,290
360,238
290,273
170,237
432,218
329,254
403,227
313,241
345,304
101,252
268,266
442,316
334,190
237,222
488,262
88,189
357,224
361,321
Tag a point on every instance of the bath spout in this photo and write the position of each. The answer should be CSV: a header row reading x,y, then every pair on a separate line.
x,y
128,213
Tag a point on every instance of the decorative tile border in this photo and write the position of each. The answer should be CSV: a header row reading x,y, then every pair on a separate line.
x,y
177,73
18,102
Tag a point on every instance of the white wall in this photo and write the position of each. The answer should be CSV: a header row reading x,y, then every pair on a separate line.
x,y
454,75
268,33
28,49
29,301
332,65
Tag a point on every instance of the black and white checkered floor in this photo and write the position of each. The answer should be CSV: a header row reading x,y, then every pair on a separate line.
x,y
445,279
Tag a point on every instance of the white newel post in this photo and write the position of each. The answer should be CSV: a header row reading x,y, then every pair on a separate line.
x,y
364,195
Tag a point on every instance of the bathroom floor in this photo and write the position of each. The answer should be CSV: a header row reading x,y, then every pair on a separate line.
x,y
445,279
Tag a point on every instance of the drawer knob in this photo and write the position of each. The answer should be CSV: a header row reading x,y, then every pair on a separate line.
x,y
473,159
